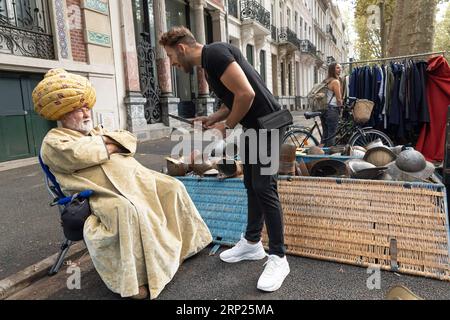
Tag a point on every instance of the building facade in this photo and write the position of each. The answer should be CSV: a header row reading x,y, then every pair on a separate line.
x,y
114,44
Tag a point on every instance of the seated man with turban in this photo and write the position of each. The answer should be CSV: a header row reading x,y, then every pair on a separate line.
x,y
143,223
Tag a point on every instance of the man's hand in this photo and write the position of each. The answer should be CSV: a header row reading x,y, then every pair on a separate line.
x,y
108,140
220,126
112,146
206,121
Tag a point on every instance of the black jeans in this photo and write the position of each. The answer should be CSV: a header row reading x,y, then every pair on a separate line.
x,y
263,201
330,121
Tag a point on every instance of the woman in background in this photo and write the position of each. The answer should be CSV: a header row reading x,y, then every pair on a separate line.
x,y
330,118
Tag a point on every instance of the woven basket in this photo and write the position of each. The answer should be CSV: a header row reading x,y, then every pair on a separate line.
x,y
362,111
397,226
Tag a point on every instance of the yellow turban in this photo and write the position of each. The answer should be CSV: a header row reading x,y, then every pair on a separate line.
x,y
61,92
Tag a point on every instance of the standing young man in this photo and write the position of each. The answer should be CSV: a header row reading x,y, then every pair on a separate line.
x,y
245,98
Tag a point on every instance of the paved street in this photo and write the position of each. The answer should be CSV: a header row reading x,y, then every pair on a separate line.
x,y
30,232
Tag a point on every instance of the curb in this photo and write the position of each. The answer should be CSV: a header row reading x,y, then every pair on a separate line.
x,y
14,164
37,271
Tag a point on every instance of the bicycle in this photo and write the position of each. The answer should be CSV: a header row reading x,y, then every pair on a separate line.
x,y
348,131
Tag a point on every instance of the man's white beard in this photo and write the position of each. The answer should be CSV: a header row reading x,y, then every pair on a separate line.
x,y
83,126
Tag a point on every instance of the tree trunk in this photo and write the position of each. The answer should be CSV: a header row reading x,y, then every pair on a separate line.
x,y
413,27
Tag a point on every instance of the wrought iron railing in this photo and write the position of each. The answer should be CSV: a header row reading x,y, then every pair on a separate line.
x,y
148,79
306,46
330,59
274,33
288,35
233,8
25,28
251,9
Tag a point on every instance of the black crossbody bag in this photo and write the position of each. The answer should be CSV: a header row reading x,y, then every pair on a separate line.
x,y
275,120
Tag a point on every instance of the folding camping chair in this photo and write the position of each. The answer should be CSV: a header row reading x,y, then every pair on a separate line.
x,y
60,200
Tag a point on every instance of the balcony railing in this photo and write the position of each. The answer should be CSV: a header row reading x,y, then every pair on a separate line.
x,y
233,8
25,29
288,35
253,10
330,59
306,46
274,33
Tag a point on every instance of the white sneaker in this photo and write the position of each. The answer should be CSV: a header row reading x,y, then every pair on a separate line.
x,y
274,273
243,250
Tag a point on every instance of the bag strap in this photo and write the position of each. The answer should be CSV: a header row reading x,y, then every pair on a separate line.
x,y
327,82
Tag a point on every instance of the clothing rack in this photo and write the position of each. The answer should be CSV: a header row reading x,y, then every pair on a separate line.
x,y
396,58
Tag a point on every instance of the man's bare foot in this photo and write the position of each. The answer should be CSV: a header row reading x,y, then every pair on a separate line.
x,y
143,293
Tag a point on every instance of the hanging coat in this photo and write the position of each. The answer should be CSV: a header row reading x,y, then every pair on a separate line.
x,y
422,103
388,93
397,108
143,223
432,137
416,95
353,90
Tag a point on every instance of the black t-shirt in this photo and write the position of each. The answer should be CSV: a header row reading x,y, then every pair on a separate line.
x,y
216,57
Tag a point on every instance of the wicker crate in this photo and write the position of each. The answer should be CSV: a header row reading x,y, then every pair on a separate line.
x,y
395,225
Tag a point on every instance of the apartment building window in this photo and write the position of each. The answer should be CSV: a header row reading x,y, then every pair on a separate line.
x,y
281,16
289,18
262,61
290,79
283,80
272,14
249,51
25,29
301,28
296,23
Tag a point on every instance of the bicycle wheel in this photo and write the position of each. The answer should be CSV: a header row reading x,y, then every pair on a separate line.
x,y
300,138
370,135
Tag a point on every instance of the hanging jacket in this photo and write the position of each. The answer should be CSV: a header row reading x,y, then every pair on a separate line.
x,y
389,91
415,95
396,111
368,83
432,137
422,103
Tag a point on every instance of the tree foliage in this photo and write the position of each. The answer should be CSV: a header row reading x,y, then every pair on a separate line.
x,y
442,37
411,31
368,43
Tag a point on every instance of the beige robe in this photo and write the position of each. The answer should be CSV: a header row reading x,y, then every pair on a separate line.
x,y
144,224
